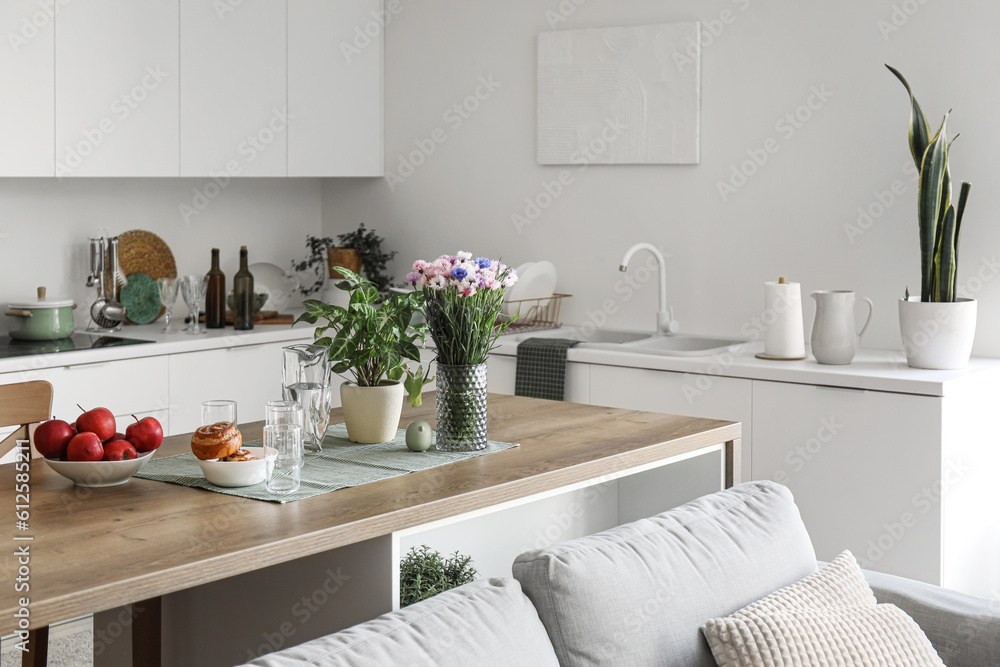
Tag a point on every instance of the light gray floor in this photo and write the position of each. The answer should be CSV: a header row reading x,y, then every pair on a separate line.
x,y
75,649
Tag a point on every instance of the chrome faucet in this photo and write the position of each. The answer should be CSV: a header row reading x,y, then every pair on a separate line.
x,y
665,322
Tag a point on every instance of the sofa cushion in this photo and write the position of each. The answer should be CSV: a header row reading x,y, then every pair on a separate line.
x,y
639,593
876,635
829,617
488,622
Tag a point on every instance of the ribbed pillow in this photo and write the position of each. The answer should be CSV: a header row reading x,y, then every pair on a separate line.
x,y
830,617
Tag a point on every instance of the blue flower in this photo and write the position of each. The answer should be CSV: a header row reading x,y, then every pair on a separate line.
x,y
458,273
483,262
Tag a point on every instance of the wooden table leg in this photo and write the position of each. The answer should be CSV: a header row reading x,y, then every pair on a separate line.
x,y
734,463
38,648
146,633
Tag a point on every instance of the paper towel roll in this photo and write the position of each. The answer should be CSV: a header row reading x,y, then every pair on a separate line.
x,y
785,335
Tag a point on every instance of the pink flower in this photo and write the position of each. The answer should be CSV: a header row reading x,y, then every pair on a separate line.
x,y
420,265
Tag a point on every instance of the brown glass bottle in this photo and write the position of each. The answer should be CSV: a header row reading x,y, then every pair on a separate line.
x,y
215,297
243,295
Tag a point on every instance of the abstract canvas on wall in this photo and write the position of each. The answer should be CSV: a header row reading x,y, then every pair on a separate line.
x,y
629,95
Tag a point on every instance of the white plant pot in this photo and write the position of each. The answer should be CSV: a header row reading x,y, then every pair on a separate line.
x,y
372,413
937,336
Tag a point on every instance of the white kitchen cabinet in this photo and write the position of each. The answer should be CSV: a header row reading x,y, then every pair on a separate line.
x,y
233,107
858,463
687,394
117,85
27,76
335,87
502,373
247,374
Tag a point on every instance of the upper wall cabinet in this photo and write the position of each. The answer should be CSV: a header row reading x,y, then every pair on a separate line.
x,y
117,73
233,88
335,88
27,65
192,88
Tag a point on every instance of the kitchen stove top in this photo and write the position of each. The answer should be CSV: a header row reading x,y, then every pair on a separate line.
x,y
78,341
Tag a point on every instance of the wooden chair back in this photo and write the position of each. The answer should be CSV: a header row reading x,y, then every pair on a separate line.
x,y
24,404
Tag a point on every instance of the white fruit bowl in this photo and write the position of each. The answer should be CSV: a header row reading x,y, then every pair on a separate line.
x,y
239,473
99,473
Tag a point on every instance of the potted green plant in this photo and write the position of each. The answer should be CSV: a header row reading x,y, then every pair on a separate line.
x,y
357,250
371,340
424,573
938,327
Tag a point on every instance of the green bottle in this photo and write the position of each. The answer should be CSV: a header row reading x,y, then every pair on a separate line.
x,y
243,295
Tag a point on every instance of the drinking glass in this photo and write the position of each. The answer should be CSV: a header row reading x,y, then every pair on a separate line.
x,y
285,472
213,412
168,295
193,290
283,412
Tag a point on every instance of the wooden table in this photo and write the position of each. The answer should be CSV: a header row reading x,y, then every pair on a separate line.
x,y
96,549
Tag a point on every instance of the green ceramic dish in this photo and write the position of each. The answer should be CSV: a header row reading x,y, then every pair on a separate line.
x,y
141,298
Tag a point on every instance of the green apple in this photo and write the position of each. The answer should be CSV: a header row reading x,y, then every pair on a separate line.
x,y
419,436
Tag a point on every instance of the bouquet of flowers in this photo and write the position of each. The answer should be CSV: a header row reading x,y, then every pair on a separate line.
x,y
463,299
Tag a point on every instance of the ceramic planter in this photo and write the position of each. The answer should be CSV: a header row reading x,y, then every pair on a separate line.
x,y
937,336
371,414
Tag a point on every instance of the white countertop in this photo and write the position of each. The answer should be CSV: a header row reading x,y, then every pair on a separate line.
x,y
172,343
879,370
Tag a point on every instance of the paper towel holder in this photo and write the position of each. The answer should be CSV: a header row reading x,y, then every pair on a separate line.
x,y
782,280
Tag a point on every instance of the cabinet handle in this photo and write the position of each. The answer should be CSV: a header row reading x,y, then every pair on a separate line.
x,y
101,364
242,348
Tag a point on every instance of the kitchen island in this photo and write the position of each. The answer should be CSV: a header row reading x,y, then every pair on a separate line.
x,y
240,577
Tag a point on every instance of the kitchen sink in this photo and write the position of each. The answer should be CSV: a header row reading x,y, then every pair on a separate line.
x,y
682,345
643,342
609,336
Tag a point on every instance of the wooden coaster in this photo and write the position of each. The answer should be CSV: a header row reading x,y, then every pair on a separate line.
x,y
761,355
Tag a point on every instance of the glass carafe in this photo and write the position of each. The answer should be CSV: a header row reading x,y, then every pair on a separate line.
x,y
305,378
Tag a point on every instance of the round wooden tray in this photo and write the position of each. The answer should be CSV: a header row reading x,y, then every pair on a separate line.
x,y
140,251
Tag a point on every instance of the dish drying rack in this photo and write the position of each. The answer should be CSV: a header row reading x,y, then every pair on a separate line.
x,y
536,313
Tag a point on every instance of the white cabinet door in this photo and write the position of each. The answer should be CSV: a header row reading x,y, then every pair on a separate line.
x,y
233,84
335,87
27,77
687,394
126,387
247,374
864,467
117,83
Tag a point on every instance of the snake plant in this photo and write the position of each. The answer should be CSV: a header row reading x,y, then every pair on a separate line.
x,y
940,221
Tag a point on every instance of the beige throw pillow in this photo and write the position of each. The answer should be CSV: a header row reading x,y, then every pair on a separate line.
x,y
830,617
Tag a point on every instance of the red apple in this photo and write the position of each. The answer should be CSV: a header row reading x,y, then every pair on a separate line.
x,y
146,434
85,446
51,438
116,436
98,421
119,450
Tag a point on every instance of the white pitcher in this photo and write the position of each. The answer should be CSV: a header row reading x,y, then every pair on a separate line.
x,y
835,338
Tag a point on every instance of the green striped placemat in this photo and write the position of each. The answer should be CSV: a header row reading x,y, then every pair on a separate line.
x,y
341,464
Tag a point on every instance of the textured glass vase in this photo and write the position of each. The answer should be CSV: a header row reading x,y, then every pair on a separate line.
x,y
461,407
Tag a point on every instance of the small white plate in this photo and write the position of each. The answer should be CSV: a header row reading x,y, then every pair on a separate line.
x,y
277,283
99,473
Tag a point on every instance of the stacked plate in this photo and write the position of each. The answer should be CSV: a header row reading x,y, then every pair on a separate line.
x,y
536,283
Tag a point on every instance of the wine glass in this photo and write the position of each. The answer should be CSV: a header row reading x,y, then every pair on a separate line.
x,y
193,290
168,295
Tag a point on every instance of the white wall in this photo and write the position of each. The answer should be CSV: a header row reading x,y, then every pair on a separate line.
x,y
45,224
788,219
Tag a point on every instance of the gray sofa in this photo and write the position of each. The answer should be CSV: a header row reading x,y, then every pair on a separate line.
x,y
637,595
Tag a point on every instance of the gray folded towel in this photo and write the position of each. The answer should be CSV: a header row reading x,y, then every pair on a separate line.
x,y
541,368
